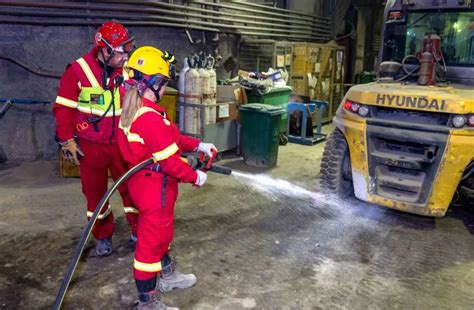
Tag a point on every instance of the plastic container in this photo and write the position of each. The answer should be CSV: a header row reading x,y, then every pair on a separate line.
x,y
277,96
169,102
260,134
364,77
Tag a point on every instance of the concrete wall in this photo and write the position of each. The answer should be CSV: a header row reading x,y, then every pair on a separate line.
x,y
27,131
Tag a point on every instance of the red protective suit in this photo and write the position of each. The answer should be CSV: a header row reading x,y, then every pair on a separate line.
x,y
97,141
151,134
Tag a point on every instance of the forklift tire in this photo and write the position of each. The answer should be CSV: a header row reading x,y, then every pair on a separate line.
x,y
3,157
336,173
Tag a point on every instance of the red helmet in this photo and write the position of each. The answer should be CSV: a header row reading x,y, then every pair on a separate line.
x,y
115,36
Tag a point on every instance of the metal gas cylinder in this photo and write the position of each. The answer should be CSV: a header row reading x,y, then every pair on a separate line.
x,y
211,112
205,90
182,91
192,95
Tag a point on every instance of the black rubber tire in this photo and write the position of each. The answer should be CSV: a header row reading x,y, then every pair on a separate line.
x,y
335,172
283,139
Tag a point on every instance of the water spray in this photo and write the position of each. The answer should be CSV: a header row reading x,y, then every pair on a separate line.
x,y
275,188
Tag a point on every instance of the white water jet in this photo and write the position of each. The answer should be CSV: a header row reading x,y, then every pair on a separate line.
x,y
279,187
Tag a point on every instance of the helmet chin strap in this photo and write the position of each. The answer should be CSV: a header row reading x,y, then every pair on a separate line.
x,y
106,64
152,82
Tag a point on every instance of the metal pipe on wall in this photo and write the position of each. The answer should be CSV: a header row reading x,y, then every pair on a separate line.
x,y
148,10
157,18
323,21
319,20
214,22
207,11
95,6
99,22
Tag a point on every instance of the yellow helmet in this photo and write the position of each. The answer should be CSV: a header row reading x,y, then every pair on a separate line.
x,y
149,61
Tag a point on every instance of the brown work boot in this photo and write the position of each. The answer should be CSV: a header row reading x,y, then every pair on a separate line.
x,y
151,301
171,279
176,280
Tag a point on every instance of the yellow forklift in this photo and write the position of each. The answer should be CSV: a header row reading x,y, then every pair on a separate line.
x,y
406,141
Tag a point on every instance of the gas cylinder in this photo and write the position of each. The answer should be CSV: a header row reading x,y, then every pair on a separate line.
x,y
182,91
192,95
427,72
205,90
430,56
436,42
213,90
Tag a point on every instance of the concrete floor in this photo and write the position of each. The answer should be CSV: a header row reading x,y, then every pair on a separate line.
x,y
249,250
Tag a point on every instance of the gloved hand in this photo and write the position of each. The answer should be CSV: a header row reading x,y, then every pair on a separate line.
x,y
71,151
206,148
201,178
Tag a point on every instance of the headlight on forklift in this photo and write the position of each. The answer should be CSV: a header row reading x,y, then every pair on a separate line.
x,y
363,110
459,121
355,107
358,108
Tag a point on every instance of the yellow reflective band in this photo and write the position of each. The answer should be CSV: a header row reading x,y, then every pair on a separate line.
x,y
154,267
88,72
130,210
99,112
142,111
167,152
101,216
67,102
131,137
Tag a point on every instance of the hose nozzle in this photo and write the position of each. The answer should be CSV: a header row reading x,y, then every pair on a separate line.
x,y
201,164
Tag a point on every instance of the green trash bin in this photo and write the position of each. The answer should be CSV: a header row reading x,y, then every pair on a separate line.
x,y
364,77
260,133
277,96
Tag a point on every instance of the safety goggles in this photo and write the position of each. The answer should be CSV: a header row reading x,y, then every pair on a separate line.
x,y
125,47
159,80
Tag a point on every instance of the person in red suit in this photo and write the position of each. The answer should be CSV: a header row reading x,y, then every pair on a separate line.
x,y
87,111
146,132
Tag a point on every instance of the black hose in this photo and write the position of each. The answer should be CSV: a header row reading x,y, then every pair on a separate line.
x,y
27,68
87,231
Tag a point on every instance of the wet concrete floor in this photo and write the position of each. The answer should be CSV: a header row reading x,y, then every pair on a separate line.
x,y
249,250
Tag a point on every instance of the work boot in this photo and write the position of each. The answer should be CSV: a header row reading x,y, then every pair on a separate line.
x,y
171,279
104,247
151,301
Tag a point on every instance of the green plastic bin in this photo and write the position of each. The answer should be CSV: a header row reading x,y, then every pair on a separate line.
x,y
260,133
364,77
277,96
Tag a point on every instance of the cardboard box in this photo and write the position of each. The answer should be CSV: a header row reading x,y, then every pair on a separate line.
x,y
235,96
300,85
67,169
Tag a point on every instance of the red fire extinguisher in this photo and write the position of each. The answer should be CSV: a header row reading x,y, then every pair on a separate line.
x,y
429,57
